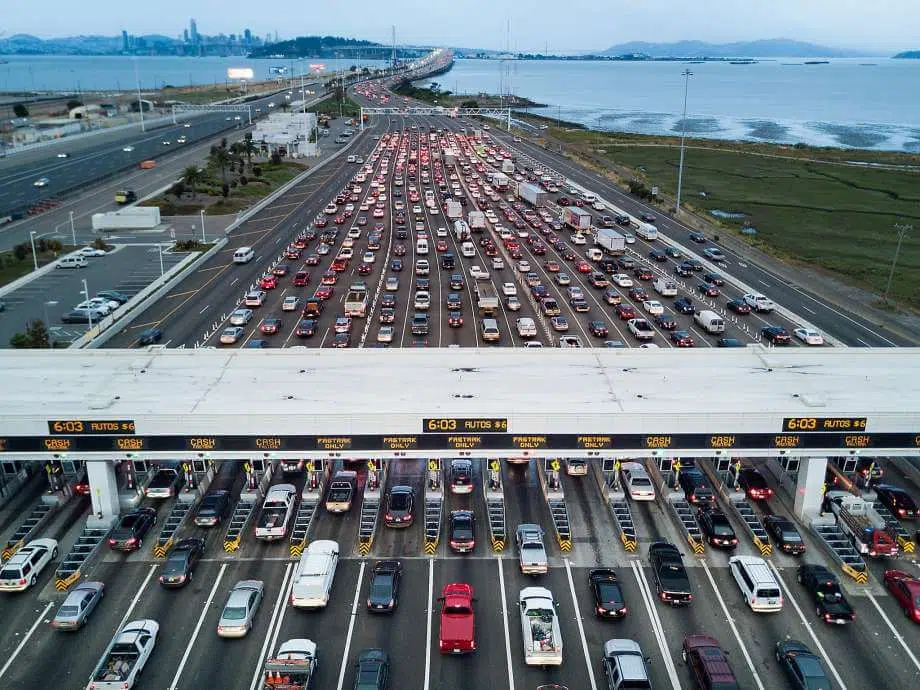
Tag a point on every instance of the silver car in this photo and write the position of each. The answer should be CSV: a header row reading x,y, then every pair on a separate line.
x,y
240,609
77,607
240,317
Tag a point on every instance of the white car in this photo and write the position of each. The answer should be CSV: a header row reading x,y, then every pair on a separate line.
x,y
231,335
622,279
653,307
255,299
598,206
509,289
563,278
392,284
637,482
441,232
41,182
21,571
479,273
331,210
526,327
100,304
422,300
240,317
290,303
498,263
569,341
368,257
354,233
513,303
165,142
629,237
90,251
385,334
127,149
524,266
759,302
578,238
809,336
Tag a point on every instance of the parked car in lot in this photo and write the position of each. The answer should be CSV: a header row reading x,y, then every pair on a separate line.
x,y
76,609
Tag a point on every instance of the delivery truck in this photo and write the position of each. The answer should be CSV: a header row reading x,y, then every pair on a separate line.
x,y
476,221
576,218
610,241
531,193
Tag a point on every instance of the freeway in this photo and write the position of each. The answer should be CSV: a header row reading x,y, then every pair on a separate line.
x,y
873,651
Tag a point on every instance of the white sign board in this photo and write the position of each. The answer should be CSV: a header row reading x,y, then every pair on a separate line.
x,y
240,73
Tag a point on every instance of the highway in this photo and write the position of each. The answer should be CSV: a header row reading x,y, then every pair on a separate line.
x,y
189,653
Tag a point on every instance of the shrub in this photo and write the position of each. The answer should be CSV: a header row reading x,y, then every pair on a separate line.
x,y
244,180
225,190
233,184
21,251
257,170
276,158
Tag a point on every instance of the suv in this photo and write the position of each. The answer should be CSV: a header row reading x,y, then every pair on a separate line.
x,y
22,570
708,663
624,665
696,487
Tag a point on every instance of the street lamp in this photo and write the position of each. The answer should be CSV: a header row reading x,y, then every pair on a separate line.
x,y
140,103
902,230
49,303
683,135
32,234
160,245
73,230
203,240
89,310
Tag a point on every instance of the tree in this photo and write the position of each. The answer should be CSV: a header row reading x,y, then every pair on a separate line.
x,y
178,189
73,103
221,160
470,104
192,176
247,148
19,110
21,251
225,190
38,334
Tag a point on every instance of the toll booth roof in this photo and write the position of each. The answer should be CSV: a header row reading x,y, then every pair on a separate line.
x,y
387,391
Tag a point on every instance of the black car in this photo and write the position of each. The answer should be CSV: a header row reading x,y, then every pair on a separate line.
x,y
383,595
716,528
784,534
665,320
149,336
609,601
707,289
804,669
448,260
696,487
683,271
775,335
714,278
396,265
213,508
739,306
461,531
698,237
897,500
372,670
684,305
181,561
626,263
658,255
128,534
729,342
305,328
830,604
754,484
400,509
387,300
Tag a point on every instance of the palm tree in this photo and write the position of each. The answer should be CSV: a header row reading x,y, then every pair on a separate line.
x,y
248,148
221,159
192,176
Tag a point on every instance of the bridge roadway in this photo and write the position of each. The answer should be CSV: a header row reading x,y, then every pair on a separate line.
x,y
190,655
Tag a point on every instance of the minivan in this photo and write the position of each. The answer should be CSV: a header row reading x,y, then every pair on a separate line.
x,y
757,583
243,255
421,247
72,262
710,321
315,573
490,332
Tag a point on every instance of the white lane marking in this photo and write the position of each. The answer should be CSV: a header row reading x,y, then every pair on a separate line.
x,y
808,627
657,627
25,639
263,654
191,642
731,624
137,595
810,311
863,342
742,265
351,627
234,282
501,581
285,596
204,309
581,627
894,631
428,630
763,283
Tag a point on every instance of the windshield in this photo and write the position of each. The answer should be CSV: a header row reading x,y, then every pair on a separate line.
x,y
234,613
463,530
382,586
792,537
399,501
609,592
69,611
722,530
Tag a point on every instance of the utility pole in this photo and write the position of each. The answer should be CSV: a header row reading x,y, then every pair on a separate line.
x,y
140,103
683,136
902,230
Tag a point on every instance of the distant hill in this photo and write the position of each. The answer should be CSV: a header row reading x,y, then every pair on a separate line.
x,y
908,55
317,47
768,48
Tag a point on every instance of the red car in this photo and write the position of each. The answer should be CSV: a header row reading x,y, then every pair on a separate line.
x,y
905,588
301,278
583,267
339,265
329,278
312,260
270,325
552,266
441,246
320,222
682,339
458,622
455,319
365,269
626,311
268,283
323,292
338,220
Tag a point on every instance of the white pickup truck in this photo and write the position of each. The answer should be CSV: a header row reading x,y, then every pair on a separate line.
x,y
277,510
125,656
540,627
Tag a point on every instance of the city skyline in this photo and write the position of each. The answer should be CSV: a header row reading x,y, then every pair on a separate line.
x,y
835,23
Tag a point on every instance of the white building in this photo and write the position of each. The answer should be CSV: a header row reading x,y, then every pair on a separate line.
x,y
287,133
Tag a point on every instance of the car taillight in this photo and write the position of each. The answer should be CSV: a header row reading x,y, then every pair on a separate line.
x,y
131,542
22,580
112,542
601,609
388,516
623,611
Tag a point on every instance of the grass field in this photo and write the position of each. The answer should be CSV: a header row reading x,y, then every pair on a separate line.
x,y
836,216
330,106
12,268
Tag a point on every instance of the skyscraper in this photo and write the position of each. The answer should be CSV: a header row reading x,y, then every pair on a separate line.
x,y
124,41
193,30
185,36
247,36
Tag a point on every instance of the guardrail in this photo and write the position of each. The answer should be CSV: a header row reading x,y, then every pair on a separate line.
x,y
39,516
80,556
495,505
176,518
840,548
302,521
741,507
239,521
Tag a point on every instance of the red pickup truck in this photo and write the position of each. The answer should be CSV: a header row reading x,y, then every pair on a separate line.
x,y
457,620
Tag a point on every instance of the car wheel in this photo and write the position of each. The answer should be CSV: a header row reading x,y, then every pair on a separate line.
x,y
54,553
35,580
683,655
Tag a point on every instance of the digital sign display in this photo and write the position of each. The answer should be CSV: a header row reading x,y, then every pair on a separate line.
x,y
465,425
103,443
76,427
813,424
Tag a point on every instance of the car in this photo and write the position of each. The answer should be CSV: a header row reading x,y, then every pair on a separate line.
x,y
166,482
562,278
312,260
269,282
698,237
21,570
831,605
653,307
665,320
114,296
509,289
580,305
803,668
166,142
513,303
81,316
598,329
754,484
696,487
684,305
560,324
552,266
383,592
271,325
281,270
809,336
609,601
714,278
714,254
385,334
738,306
341,340
396,265
716,528
128,533
647,218
90,252
240,317
41,182
905,589
342,324
707,289
658,255
641,329
455,319
708,662
613,297
626,311
181,561
673,252
775,335
897,500
305,328
461,531
387,315
759,303
290,303
149,336
531,550
213,508
729,342
784,534
237,616
400,507
97,305
644,273
637,482
372,670
622,280
81,601
456,281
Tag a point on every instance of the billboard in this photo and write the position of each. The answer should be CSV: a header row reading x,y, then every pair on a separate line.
x,y
318,67
277,71
239,73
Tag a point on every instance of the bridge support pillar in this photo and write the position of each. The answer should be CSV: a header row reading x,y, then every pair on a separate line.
x,y
809,488
103,488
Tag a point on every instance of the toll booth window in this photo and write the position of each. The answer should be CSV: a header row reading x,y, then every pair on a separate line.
x,y
9,468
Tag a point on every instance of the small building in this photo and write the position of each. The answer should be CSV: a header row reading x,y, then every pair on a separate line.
x,y
86,112
288,134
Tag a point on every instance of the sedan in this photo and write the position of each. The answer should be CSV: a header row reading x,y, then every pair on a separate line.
x,y
658,255
784,534
268,282
232,335
383,594
682,339
509,289
714,278
754,484
665,320
809,336
609,601
804,669
897,500
271,325
281,270
240,610
372,669
653,307
739,306
597,329
385,334
707,289
312,260
638,294
79,604
305,328
127,149
775,335
684,305
181,561
559,323
622,280
341,340
290,303
455,319
563,279
626,311
128,533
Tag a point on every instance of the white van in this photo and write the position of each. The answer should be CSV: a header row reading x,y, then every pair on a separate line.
x,y
757,583
665,287
313,581
490,332
590,197
468,249
72,262
243,255
421,246
710,321
647,232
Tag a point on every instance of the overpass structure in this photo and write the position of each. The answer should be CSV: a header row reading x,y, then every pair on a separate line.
x,y
501,114
201,406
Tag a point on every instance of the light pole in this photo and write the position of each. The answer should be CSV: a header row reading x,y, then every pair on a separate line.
x,y
140,103
683,135
162,272
73,230
32,234
49,303
203,240
89,310
902,230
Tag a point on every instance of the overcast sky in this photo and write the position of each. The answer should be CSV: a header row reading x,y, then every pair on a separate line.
x,y
567,26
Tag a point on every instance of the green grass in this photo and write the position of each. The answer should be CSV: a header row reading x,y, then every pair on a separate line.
x,y
330,106
12,269
836,217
